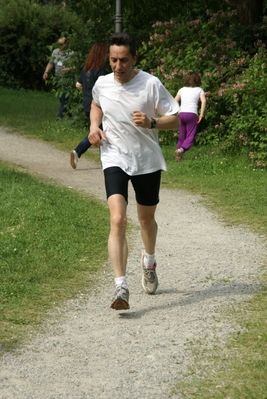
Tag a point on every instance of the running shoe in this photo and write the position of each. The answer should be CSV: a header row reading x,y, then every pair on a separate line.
x,y
178,155
121,298
149,279
74,159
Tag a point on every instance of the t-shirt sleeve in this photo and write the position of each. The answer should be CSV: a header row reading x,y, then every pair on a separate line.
x,y
95,94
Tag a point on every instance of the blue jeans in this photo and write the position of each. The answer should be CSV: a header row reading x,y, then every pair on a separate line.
x,y
62,109
83,146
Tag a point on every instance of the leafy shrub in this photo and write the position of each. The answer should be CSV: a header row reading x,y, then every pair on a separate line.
x,y
26,31
246,122
233,74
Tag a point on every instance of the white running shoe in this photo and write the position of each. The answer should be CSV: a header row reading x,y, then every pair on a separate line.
x,y
149,279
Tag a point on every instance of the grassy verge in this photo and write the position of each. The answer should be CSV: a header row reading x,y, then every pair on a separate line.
x,y
33,114
31,222
51,245
228,185
239,370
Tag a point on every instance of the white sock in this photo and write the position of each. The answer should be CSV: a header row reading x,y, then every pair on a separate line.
x,y
119,281
149,260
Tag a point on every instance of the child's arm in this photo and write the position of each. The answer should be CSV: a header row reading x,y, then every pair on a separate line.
x,y
177,98
203,107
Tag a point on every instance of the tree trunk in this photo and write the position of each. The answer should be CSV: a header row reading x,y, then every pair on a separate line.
x,y
250,11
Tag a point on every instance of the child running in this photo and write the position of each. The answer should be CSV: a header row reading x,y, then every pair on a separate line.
x,y
189,96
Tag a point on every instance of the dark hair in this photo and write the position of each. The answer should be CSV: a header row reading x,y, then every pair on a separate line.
x,y
123,39
96,58
192,79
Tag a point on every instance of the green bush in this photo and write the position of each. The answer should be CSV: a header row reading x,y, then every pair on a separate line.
x,y
230,59
244,128
233,71
27,29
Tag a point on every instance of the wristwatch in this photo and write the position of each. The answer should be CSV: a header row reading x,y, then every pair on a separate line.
x,y
153,123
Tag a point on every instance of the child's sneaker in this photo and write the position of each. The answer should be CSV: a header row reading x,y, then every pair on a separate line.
x,y
178,155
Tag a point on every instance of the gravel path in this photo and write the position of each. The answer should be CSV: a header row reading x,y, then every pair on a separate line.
x,y
88,350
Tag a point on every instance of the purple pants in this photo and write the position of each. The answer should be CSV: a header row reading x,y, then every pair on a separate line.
x,y
188,130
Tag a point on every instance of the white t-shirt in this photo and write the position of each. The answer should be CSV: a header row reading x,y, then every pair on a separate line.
x,y
134,149
190,98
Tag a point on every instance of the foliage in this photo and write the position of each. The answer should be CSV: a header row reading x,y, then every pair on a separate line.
x,y
243,125
197,38
26,29
38,24
232,62
137,16
203,46
97,16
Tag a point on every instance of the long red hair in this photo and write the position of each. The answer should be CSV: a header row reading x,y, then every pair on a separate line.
x,y
96,57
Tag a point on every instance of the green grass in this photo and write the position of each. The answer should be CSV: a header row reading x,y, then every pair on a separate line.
x,y
229,185
48,253
52,242
33,114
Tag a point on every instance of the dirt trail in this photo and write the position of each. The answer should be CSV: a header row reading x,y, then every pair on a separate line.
x,y
93,352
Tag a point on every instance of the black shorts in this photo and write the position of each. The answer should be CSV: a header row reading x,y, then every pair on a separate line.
x,y
146,186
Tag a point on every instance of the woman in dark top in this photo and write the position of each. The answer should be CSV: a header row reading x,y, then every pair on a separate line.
x,y
94,67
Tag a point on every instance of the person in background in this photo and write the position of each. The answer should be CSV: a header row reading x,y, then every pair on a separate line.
x,y
59,58
128,102
94,67
189,97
